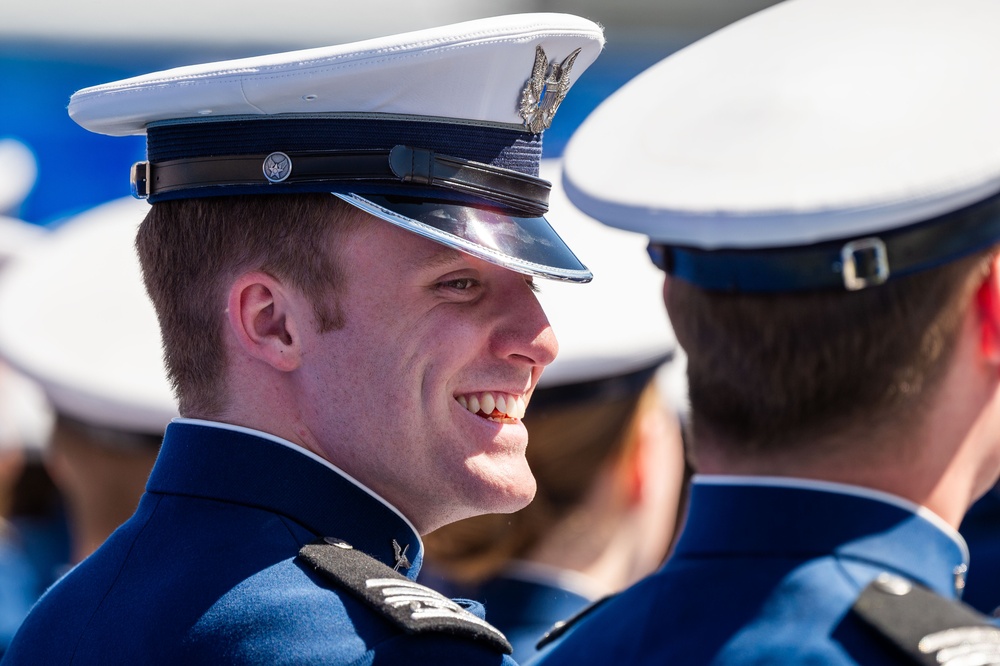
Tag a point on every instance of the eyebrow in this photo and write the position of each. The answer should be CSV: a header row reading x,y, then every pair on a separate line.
x,y
440,258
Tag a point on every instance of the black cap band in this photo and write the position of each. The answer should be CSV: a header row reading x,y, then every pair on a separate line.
x,y
849,264
525,194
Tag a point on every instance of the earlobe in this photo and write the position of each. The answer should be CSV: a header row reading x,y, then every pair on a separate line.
x,y
262,320
988,304
634,465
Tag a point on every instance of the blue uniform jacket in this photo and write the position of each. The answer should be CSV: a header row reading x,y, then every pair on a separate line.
x,y
766,574
981,529
522,602
524,610
207,570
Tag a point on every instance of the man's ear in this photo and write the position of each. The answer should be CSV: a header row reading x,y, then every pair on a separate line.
x,y
642,455
262,318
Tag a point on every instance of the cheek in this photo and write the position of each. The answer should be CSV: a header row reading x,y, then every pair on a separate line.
x,y
434,348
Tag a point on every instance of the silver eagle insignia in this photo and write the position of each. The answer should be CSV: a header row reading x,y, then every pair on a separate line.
x,y
399,554
545,90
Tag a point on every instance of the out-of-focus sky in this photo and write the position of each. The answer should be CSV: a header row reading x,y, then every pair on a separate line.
x,y
51,48
320,22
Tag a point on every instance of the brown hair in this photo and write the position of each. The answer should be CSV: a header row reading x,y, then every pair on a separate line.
x,y
569,445
769,372
190,249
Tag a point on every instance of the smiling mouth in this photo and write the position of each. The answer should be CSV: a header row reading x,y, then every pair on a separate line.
x,y
494,406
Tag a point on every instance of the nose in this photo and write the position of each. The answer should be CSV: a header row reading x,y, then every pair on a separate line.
x,y
523,332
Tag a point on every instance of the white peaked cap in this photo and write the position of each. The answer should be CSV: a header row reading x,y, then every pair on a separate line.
x,y
25,415
17,236
617,323
437,131
75,319
811,121
474,71
18,172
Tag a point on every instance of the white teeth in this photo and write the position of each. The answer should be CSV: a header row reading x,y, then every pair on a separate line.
x,y
510,406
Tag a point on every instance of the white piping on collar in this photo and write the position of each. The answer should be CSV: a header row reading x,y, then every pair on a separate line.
x,y
306,452
843,489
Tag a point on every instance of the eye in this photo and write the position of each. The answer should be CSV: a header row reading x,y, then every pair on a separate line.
x,y
530,281
460,284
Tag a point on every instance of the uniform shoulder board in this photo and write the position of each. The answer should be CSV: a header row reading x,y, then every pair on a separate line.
x,y
561,627
414,608
927,627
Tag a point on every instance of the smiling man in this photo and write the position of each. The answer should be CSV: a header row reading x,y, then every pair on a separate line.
x,y
341,251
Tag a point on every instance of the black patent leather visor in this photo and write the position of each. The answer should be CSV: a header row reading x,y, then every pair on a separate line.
x,y
527,245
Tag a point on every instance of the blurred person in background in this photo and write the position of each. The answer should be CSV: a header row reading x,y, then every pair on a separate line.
x,y
33,542
605,447
77,322
827,210
33,538
18,174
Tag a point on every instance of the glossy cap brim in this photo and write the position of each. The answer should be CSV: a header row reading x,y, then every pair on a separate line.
x,y
527,245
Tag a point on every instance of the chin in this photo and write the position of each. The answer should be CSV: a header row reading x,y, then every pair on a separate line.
x,y
515,501
523,492
503,488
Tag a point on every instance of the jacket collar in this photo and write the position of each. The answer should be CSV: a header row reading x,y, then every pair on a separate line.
x,y
800,521
241,466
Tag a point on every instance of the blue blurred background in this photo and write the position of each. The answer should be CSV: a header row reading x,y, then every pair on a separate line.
x,y
49,49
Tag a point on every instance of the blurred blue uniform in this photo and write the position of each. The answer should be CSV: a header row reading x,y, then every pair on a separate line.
x,y
981,529
524,610
19,587
208,571
34,551
766,572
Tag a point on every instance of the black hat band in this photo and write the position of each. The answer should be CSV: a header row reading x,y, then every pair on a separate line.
x,y
850,264
521,192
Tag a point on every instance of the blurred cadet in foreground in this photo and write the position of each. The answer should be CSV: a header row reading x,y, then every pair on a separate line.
x,y
604,445
32,530
77,322
340,250
820,180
